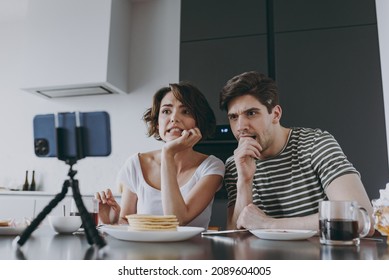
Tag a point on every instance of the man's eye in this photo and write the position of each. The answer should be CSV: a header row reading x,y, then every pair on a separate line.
x,y
251,113
232,117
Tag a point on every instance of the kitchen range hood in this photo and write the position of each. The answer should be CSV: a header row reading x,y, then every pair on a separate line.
x,y
76,47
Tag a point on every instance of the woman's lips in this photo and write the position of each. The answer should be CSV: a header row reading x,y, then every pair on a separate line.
x,y
175,131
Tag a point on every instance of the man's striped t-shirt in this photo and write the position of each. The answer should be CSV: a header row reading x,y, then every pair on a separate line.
x,y
292,183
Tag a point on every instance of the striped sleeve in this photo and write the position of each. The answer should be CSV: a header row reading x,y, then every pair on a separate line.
x,y
328,159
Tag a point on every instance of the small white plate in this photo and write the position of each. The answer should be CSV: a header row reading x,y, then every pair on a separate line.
x,y
12,230
283,234
122,232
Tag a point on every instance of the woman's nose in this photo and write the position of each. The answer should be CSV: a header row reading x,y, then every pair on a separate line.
x,y
173,118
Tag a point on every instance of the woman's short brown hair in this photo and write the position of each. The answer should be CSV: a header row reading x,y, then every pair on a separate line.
x,y
192,98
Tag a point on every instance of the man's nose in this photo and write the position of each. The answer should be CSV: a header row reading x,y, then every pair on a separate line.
x,y
241,123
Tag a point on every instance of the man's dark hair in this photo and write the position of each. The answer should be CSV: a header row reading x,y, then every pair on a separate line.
x,y
263,88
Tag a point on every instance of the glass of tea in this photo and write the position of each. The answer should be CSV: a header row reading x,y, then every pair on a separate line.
x,y
91,205
339,222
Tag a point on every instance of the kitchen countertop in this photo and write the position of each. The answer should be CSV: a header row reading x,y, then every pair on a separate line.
x,y
40,193
25,193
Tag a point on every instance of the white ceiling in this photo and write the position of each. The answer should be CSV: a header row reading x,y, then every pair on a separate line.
x,y
13,10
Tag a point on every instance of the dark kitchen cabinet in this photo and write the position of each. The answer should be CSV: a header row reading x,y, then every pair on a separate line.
x,y
216,19
219,39
209,64
326,61
298,15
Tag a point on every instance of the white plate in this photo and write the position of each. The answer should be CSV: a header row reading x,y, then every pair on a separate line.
x,y
283,234
12,230
123,233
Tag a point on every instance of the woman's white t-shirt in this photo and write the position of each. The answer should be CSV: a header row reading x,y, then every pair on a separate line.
x,y
149,199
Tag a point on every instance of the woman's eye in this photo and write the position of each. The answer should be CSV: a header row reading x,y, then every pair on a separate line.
x,y
165,111
186,111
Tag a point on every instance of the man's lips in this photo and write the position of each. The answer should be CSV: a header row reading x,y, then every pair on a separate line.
x,y
248,136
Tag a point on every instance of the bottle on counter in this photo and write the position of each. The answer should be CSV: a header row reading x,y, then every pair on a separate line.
x,y
25,185
32,186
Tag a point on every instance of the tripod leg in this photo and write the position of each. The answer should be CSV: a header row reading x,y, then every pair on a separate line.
x,y
42,215
91,232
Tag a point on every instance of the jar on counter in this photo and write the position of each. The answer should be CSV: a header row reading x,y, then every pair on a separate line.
x,y
381,216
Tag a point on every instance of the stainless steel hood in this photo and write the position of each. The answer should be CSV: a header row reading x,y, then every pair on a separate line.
x,y
76,47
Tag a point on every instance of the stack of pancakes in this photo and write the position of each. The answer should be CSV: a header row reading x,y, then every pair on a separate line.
x,y
142,222
4,223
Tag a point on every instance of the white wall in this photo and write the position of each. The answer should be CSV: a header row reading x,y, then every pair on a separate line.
x,y
154,60
382,8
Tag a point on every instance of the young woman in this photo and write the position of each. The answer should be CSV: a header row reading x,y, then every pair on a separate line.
x,y
175,180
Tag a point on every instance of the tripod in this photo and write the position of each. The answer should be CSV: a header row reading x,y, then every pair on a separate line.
x,y
91,232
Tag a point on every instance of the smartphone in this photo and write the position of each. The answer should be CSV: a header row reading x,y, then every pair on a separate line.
x,y
72,135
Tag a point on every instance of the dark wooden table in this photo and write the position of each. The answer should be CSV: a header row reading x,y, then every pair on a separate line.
x,y
45,244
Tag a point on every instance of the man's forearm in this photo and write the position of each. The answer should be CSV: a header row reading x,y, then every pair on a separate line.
x,y
310,222
244,196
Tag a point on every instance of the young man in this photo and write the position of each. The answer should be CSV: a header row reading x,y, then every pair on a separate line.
x,y
278,175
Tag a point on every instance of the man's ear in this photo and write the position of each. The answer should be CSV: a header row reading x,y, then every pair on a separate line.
x,y
277,113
